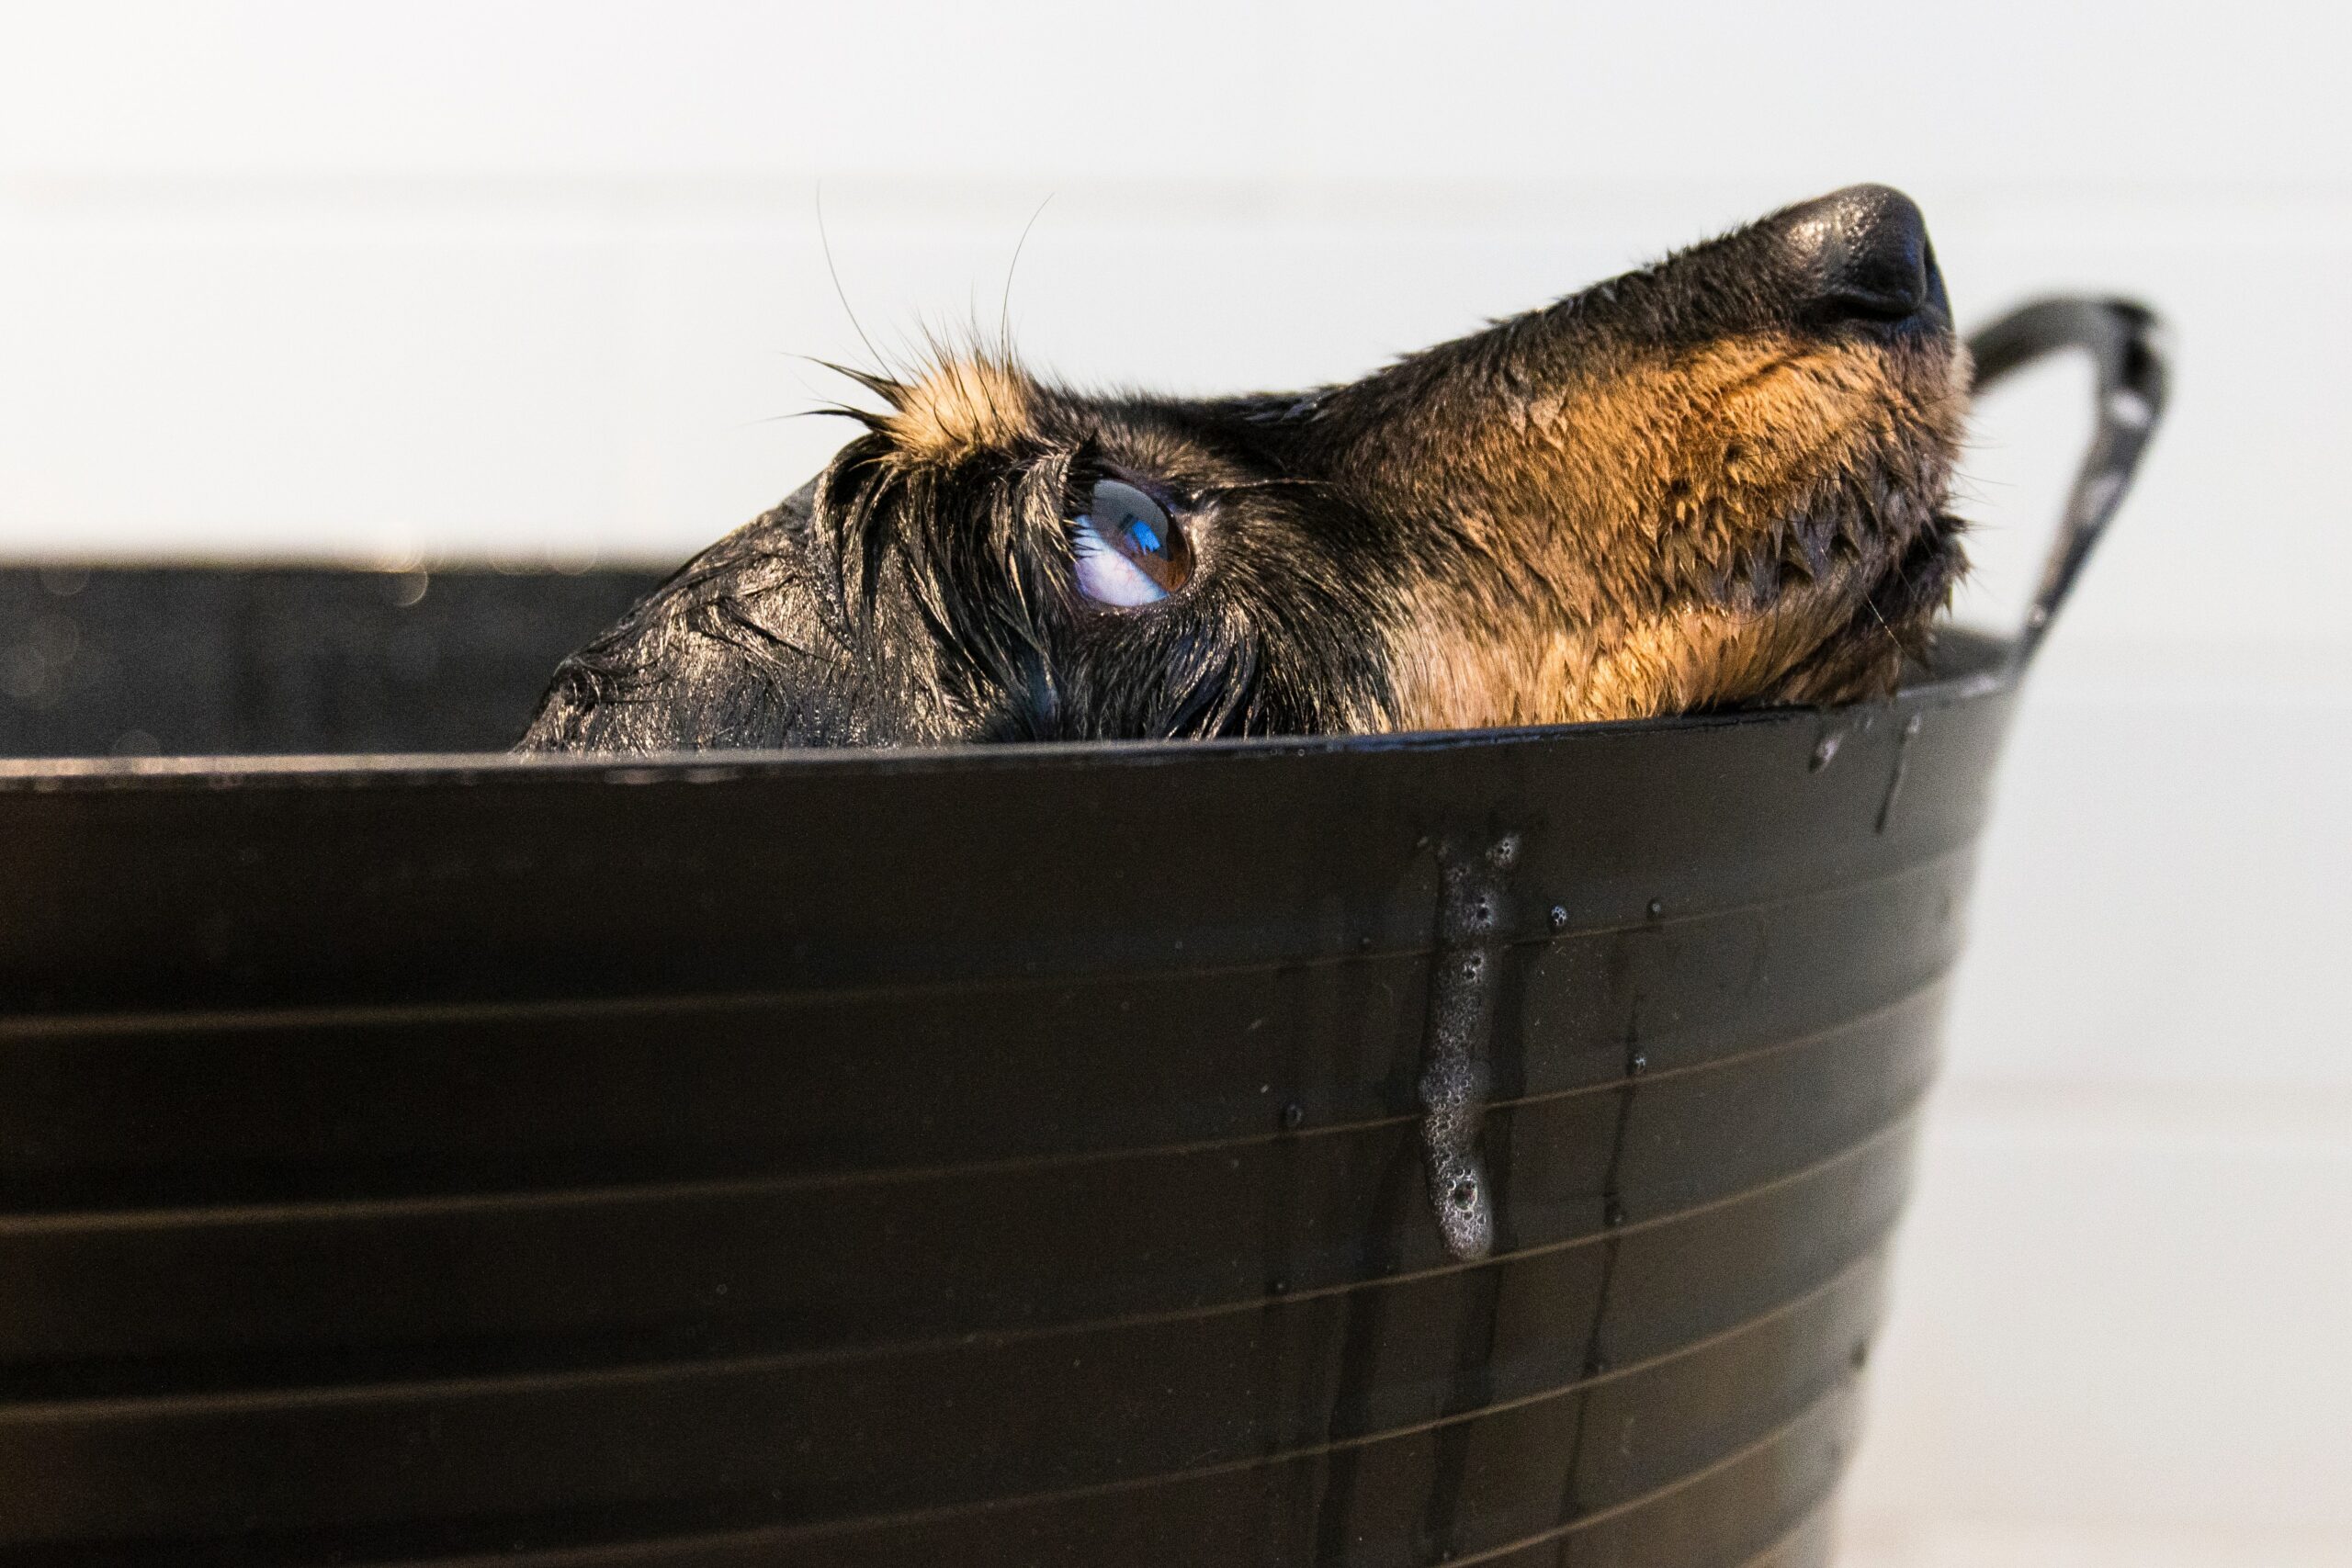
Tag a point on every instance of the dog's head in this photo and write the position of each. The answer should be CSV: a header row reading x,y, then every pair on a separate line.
x,y
1716,482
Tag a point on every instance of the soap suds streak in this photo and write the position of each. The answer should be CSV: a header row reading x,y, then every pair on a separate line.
x,y
1456,1076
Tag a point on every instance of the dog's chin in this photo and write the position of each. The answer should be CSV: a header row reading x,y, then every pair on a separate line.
x,y
1885,630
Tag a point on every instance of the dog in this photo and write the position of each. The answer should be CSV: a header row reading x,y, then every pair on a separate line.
x,y
1717,482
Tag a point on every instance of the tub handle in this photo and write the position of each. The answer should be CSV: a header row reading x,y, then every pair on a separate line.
x,y
2127,348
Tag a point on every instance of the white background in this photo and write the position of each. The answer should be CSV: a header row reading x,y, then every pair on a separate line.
x,y
375,281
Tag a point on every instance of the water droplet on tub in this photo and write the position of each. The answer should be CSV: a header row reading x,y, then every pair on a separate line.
x,y
1454,1076
1559,916
1294,1117
1911,728
1637,1064
1823,751
1657,910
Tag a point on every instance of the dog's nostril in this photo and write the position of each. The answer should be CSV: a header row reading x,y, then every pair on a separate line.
x,y
1863,251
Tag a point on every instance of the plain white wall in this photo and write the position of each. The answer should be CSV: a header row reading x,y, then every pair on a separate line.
x,y
375,281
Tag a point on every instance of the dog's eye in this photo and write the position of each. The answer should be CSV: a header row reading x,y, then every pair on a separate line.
x,y
1129,550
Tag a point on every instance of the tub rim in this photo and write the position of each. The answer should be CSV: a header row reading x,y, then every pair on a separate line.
x,y
1968,664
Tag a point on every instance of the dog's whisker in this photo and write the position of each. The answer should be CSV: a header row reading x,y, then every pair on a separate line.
x,y
825,241
1004,306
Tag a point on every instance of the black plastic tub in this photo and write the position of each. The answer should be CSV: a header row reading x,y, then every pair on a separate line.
x,y
1470,1148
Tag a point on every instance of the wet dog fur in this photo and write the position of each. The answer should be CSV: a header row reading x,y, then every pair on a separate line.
x,y
1716,482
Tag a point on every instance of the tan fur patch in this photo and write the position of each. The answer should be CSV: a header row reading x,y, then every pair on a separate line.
x,y
1671,662
1603,529
960,407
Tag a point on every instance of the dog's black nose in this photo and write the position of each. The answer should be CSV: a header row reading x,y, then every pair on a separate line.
x,y
1864,253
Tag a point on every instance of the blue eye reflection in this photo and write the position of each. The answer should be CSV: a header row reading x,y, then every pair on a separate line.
x,y
1126,550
